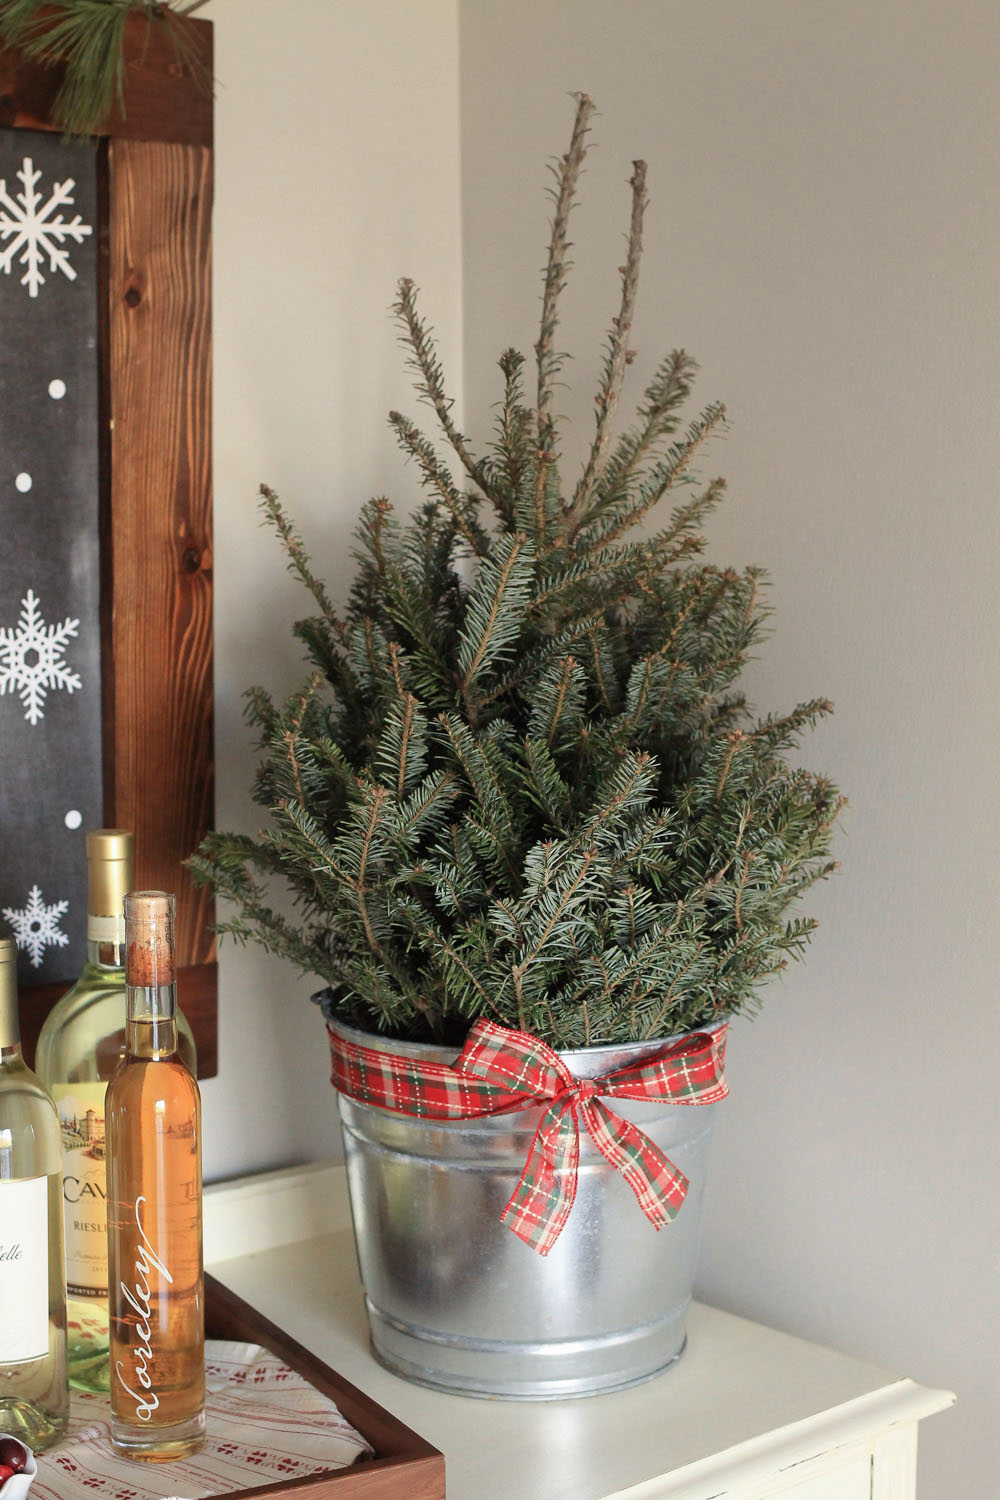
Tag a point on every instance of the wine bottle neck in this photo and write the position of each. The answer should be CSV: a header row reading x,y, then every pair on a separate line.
x,y
151,1021
10,1031
105,955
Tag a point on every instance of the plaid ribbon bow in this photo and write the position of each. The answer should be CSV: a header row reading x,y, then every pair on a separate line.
x,y
500,1071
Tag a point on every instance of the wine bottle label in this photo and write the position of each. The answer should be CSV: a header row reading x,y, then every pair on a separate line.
x,y
144,1299
105,929
24,1270
85,1207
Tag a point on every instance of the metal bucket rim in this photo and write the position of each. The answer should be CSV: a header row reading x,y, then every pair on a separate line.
x,y
582,1061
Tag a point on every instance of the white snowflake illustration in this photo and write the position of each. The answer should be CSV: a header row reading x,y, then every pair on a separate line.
x,y
33,227
30,653
36,926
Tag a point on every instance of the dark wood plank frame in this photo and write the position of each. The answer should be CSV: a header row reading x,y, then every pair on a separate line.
x,y
155,185
405,1467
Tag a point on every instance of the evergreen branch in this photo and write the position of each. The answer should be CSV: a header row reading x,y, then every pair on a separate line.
x,y
428,656
437,478
544,785
315,840
618,354
438,942
87,37
495,612
513,447
290,733
376,798
601,675
552,913
558,707
476,763
628,790
567,174
298,559
536,660
623,516
425,809
654,1027
666,393
401,757
425,361
375,533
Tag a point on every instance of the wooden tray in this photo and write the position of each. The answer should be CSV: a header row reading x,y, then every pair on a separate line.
x,y
405,1467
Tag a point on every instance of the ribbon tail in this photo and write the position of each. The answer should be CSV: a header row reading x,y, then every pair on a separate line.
x,y
541,1203
658,1185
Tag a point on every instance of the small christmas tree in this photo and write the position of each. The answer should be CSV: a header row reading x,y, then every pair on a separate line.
x,y
520,783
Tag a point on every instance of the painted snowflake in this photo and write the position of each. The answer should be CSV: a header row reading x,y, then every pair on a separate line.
x,y
32,226
36,926
30,658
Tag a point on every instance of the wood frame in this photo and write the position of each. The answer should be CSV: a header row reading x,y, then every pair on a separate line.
x,y
405,1467
154,258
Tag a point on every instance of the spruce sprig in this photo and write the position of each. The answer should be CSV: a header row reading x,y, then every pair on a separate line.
x,y
87,38
521,781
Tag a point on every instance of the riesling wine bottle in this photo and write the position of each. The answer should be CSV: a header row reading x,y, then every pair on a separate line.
x,y
80,1046
34,1395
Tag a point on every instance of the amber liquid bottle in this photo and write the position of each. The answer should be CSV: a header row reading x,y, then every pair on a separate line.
x,y
153,1123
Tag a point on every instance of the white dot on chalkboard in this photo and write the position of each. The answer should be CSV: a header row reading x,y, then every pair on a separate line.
x,y
57,389
73,819
23,483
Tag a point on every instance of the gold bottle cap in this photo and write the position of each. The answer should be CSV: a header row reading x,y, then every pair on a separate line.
x,y
109,875
110,843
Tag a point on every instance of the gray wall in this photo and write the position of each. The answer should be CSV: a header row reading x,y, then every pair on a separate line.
x,y
822,237
337,172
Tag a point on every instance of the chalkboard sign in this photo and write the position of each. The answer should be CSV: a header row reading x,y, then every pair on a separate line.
x,y
50,626
105,492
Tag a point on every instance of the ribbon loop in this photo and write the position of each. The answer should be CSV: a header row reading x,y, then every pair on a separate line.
x,y
501,1070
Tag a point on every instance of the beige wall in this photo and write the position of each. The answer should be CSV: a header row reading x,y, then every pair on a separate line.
x,y
337,173
823,237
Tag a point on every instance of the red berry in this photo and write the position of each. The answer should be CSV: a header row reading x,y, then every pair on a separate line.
x,y
13,1455
6,1472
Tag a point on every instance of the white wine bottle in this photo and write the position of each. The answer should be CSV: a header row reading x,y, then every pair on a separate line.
x,y
34,1395
80,1046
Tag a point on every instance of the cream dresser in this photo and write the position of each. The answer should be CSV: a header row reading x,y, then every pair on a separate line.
x,y
747,1414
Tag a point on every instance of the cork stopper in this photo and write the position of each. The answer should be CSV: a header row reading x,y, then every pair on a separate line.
x,y
149,938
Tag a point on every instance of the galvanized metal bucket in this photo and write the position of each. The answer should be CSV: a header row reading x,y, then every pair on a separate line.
x,y
458,1302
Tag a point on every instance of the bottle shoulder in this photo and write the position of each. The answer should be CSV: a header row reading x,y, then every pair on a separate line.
x,y
140,1080
17,1077
29,1124
69,1042
82,1039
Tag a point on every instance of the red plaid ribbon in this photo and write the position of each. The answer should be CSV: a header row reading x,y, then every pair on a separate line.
x,y
500,1071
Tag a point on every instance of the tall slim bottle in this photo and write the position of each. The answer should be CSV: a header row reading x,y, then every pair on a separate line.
x,y
34,1396
153,1122
80,1045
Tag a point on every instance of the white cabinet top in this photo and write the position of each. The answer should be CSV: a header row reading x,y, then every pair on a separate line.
x,y
743,1403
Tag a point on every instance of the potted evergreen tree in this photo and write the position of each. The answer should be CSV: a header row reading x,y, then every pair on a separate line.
x,y
525,811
